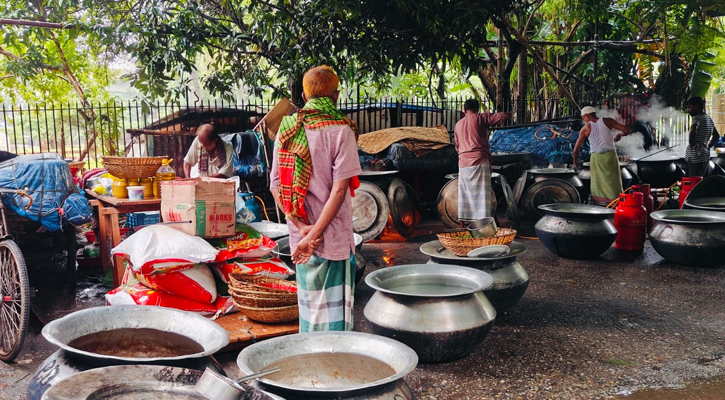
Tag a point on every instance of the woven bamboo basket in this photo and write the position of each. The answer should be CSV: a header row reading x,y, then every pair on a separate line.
x,y
132,167
262,299
270,314
460,242
247,282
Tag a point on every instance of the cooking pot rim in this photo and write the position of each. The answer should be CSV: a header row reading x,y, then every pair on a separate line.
x,y
705,217
569,209
325,342
481,280
58,331
431,249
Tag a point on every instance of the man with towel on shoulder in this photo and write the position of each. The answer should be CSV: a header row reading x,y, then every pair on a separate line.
x,y
474,165
314,172
606,184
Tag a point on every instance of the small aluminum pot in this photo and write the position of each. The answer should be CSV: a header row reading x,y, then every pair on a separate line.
x,y
483,228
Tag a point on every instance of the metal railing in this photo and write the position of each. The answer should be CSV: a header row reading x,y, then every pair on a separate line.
x,y
124,128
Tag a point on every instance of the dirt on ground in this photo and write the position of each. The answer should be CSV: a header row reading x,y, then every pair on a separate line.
x,y
585,329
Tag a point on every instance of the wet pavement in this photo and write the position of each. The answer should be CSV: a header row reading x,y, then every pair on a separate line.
x,y
613,327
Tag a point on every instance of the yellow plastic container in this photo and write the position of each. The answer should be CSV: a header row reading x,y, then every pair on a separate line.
x,y
148,187
118,189
164,173
133,182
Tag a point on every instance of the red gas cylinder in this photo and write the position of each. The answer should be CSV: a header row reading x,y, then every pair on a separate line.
x,y
687,184
630,219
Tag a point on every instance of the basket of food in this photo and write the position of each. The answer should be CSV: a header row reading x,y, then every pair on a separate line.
x,y
460,242
270,314
132,167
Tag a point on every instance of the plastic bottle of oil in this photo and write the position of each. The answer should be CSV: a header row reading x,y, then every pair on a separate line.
x,y
164,173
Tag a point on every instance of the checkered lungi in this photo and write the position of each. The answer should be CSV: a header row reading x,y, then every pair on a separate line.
x,y
325,294
606,183
474,192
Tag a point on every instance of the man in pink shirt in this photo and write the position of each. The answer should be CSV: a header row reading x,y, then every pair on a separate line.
x,y
314,171
474,167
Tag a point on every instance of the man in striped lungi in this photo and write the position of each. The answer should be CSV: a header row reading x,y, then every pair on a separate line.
x,y
698,146
474,161
314,171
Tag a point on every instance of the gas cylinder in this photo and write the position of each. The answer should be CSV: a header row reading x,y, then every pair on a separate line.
x,y
687,184
630,219
648,201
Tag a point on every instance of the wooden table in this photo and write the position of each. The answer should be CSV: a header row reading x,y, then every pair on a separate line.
x,y
109,232
243,331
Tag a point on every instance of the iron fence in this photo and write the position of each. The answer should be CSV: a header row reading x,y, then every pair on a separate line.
x,y
87,132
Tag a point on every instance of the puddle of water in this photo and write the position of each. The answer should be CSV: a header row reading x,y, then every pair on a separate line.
x,y
709,389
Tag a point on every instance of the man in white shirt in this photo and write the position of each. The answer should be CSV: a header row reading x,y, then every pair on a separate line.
x,y
213,156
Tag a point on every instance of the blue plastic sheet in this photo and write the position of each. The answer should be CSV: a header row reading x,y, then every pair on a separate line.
x,y
47,179
547,143
249,149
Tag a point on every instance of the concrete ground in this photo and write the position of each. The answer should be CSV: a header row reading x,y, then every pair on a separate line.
x,y
593,329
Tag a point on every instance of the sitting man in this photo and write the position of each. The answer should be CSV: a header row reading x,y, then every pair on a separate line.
x,y
213,156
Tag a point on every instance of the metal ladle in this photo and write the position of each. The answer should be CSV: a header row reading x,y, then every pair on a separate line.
x,y
217,387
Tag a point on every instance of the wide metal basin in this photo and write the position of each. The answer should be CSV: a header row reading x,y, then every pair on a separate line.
x,y
429,280
340,365
205,332
690,237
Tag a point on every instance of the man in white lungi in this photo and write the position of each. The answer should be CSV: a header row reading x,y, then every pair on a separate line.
x,y
474,161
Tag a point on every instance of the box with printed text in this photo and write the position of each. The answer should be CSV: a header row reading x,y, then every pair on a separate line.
x,y
203,206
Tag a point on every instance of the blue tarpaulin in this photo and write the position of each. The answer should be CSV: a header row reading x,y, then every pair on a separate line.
x,y
47,179
548,143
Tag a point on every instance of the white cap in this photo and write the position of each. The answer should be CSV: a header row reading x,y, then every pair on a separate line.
x,y
588,110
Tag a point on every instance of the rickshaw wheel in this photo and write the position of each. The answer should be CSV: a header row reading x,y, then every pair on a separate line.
x,y
15,305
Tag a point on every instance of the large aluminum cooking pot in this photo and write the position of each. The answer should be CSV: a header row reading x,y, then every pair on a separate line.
x,y
576,230
69,360
690,237
448,201
438,310
510,279
206,333
567,175
339,365
659,171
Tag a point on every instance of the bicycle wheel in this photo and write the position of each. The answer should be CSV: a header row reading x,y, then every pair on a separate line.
x,y
15,306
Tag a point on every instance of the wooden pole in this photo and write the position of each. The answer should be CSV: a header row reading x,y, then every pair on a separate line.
x,y
41,24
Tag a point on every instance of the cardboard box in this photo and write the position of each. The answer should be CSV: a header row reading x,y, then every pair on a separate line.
x,y
208,203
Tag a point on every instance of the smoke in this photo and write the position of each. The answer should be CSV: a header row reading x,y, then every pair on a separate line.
x,y
669,126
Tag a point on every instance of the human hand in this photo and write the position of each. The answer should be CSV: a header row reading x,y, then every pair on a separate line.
x,y
618,137
303,251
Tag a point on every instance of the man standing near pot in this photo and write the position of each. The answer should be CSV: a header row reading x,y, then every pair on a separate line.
x,y
606,184
314,171
474,161
702,129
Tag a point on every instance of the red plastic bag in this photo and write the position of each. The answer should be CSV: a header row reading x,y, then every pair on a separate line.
x,y
138,294
269,266
246,243
194,282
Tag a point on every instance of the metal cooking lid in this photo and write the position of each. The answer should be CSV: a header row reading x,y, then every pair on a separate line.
x,y
370,206
270,229
128,382
550,171
448,204
405,208
707,203
365,174
712,186
436,250
511,209
548,192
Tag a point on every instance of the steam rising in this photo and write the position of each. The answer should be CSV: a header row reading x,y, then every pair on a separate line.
x,y
670,127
